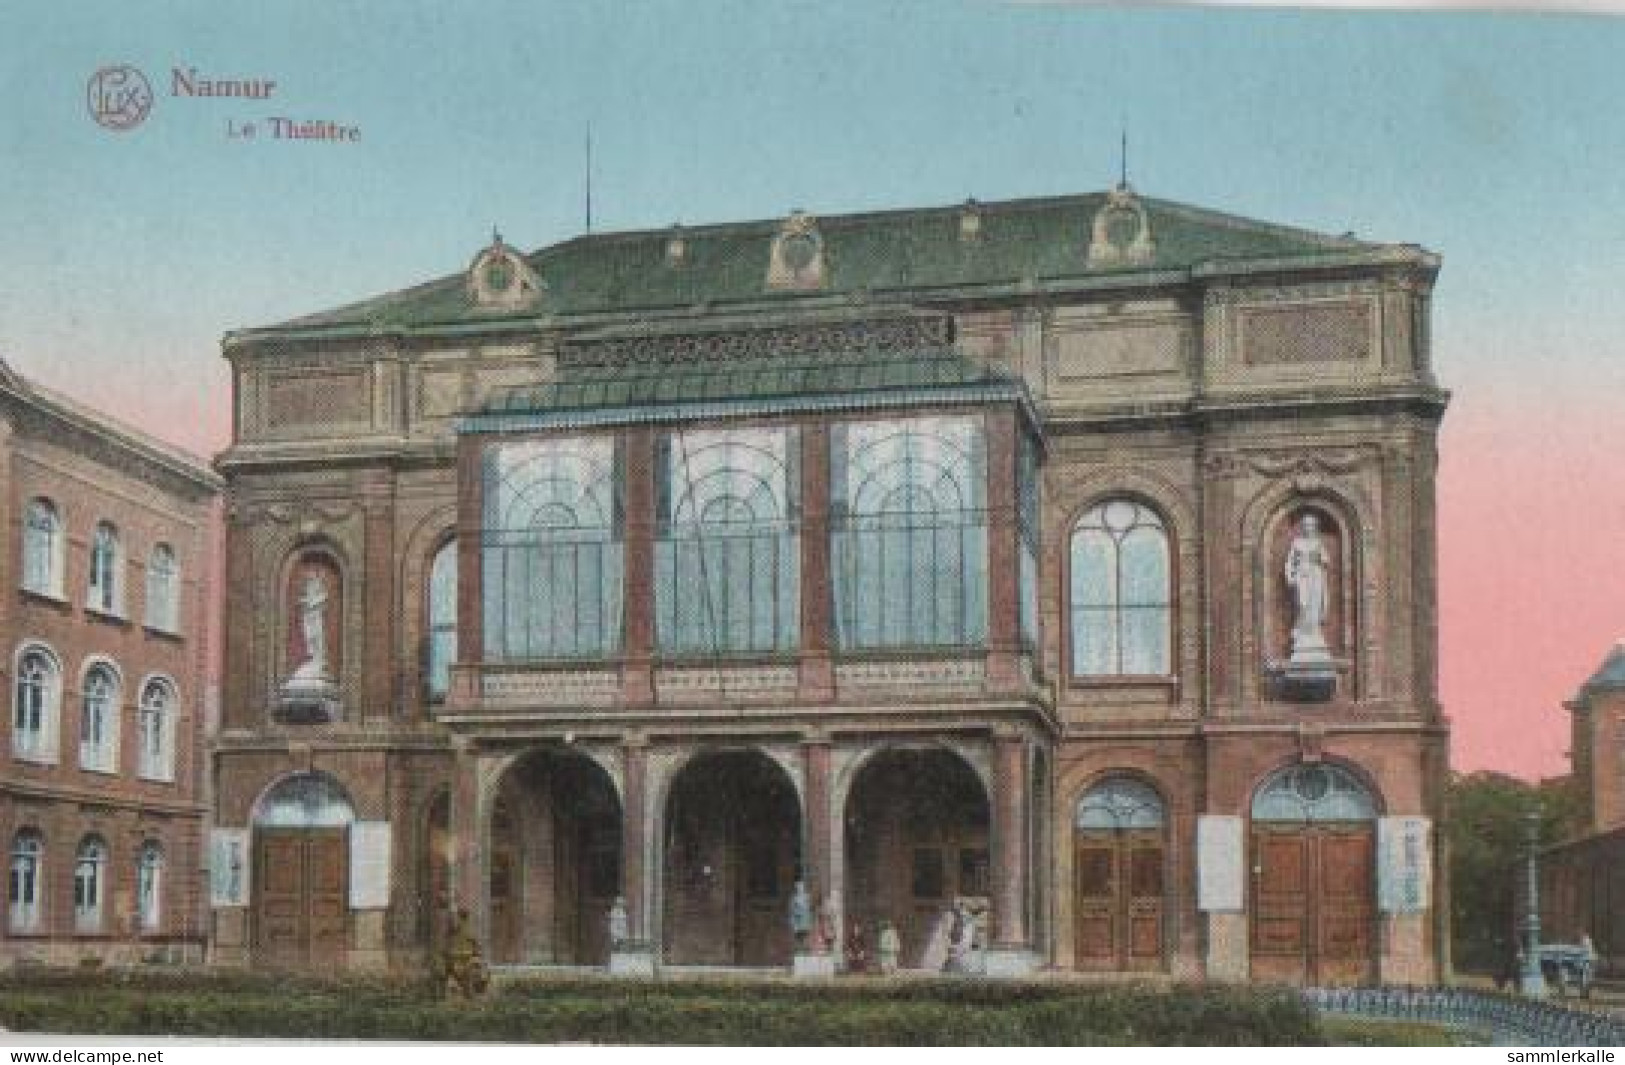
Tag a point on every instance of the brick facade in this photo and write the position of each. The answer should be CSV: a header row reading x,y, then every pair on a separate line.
x,y
92,472
1228,393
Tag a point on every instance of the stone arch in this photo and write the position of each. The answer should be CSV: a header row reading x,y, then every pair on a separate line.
x,y
729,845
974,756
1343,768
553,829
1101,777
917,823
307,798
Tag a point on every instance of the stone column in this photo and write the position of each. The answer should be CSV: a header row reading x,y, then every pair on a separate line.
x,y
1003,552
1010,952
469,887
378,597
816,681
636,956
637,677
470,525
819,843
240,703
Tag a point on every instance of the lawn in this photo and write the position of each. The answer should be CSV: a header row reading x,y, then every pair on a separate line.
x,y
714,1012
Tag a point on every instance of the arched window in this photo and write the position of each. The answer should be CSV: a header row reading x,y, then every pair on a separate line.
x,y
149,886
1121,802
99,720
909,534
163,590
36,703
1121,609
89,887
1313,793
442,619
105,562
42,548
551,555
727,557
24,886
157,756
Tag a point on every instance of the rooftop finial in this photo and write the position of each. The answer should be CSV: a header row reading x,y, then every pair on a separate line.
x,y
496,237
589,177
1122,158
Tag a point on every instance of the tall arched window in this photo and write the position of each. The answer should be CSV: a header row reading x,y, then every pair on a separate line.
x,y
1121,608
105,563
551,558
727,557
99,720
42,548
909,533
442,620
25,885
157,716
36,703
89,885
163,590
149,886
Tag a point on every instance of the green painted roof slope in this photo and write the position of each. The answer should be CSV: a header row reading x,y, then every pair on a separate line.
x,y
871,252
1034,240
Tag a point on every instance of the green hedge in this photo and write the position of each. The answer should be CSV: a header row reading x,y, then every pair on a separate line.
x,y
898,1013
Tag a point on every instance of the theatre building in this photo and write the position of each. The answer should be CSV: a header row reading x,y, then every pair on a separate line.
x,y
105,602
717,596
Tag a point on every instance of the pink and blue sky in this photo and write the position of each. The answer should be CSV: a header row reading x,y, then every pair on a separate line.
x,y
1497,140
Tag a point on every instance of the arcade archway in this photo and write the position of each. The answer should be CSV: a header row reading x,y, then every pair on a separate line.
x,y
916,842
732,855
555,861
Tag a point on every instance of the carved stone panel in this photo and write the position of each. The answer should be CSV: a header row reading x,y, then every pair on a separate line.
x,y
339,399
1333,331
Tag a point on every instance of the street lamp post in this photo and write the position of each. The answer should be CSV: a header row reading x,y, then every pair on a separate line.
x,y
1530,981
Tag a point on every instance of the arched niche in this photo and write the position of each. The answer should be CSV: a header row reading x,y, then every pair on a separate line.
x,y
313,566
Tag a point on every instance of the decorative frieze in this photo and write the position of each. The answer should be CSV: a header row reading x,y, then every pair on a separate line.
x,y
726,681
551,687
889,334
930,673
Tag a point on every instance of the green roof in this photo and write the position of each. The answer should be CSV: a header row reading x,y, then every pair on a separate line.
x,y
1020,242
609,394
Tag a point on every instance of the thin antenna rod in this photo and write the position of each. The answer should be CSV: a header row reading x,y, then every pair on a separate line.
x,y
589,177
1122,158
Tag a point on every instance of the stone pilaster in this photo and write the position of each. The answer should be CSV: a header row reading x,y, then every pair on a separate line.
x,y
637,678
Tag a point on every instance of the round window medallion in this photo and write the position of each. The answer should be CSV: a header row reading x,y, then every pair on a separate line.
x,y
1312,783
799,250
499,275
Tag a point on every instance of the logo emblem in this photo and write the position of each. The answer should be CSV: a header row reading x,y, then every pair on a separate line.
x,y
119,97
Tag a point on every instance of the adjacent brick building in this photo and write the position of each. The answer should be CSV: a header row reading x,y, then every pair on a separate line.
x,y
723,595
105,604
1583,879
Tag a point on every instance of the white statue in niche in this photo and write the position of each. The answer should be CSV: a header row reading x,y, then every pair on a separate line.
x,y
313,626
1308,573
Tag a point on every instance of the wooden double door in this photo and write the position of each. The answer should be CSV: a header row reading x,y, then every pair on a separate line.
x,y
1118,905
301,887
1314,903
